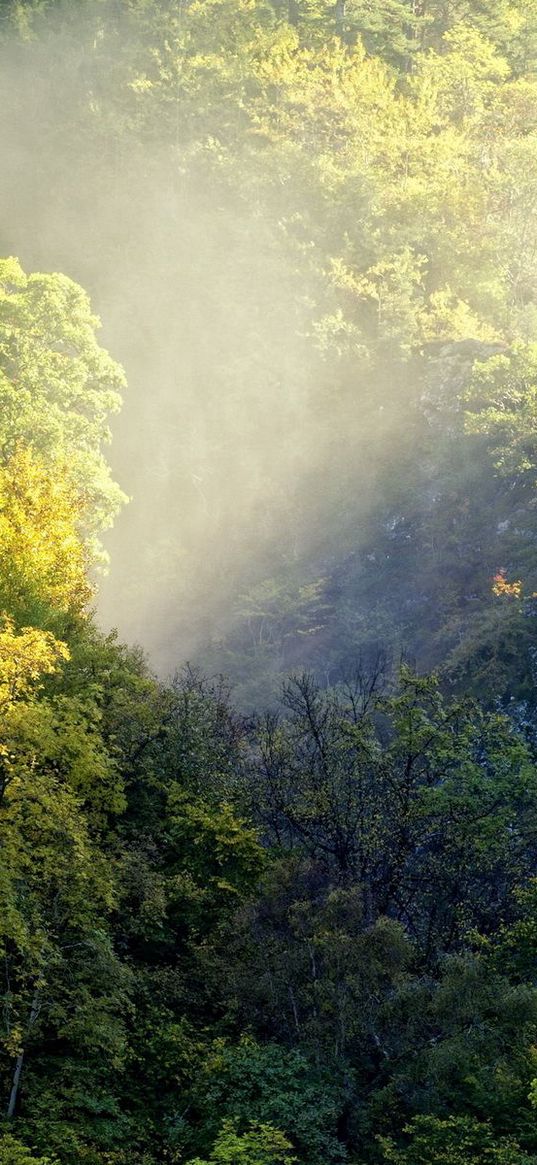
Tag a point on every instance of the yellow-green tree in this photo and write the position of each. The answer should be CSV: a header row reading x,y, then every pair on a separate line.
x,y
43,561
57,386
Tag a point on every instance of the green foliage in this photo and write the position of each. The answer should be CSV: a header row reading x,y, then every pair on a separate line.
x,y
12,1152
260,1145
427,811
455,1141
276,1087
501,399
57,387
307,936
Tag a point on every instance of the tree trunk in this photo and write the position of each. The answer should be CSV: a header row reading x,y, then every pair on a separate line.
x,y
12,1103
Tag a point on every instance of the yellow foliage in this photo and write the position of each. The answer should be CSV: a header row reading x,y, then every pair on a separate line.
x,y
25,657
42,559
504,589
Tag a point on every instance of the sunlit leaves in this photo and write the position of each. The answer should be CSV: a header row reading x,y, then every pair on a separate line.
x,y
25,657
43,563
260,1144
57,386
453,1141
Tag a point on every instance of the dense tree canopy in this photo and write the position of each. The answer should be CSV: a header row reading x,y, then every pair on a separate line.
x,y
304,934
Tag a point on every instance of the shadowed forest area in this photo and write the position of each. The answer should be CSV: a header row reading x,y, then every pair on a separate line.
x,y
268,849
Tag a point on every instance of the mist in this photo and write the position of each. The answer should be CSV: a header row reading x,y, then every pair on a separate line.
x,y
266,221
221,446
268,868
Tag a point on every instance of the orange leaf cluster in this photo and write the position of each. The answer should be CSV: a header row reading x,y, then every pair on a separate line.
x,y
505,589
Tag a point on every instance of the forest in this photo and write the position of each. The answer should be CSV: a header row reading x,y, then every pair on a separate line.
x,y
268,582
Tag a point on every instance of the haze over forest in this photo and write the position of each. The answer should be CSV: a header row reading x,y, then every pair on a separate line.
x,y
268,582
280,263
